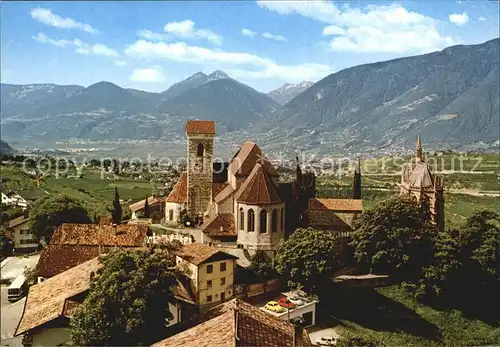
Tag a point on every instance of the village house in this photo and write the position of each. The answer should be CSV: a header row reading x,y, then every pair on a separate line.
x,y
237,323
211,273
14,199
418,182
72,244
247,204
18,230
50,304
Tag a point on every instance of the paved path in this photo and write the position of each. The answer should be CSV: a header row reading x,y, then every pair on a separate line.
x,y
15,265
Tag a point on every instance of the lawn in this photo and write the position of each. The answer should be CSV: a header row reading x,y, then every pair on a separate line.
x,y
393,317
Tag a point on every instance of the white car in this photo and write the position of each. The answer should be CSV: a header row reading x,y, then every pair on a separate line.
x,y
296,300
326,341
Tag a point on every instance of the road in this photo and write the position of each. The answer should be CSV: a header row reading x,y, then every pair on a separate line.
x,y
11,311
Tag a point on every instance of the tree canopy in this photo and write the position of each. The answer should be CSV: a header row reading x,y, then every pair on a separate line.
x,y
261,263
49,213
128,301
393,238
307,257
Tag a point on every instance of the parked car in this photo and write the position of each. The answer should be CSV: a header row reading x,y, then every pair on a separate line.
x,y
296,300
326,341
284,302
274,307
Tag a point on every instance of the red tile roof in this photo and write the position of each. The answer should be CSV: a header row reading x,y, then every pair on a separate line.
x,y
351,205
237,323
198,253
139,205
123,235
220,225
195,127
46,301
224,194
55,259
217,188
245,159
258,189
179,192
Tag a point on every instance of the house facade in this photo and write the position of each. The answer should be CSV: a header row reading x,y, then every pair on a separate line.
x,y
22,236
211,273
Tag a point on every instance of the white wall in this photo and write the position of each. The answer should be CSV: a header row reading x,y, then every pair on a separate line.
x,y
51,337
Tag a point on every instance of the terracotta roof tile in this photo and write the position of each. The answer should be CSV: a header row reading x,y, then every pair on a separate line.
x,y
258,189
105,220
224,194
179,192
17,221
237,323
217,188
139,205
194,127
421,176
198,253
122,235
55,259
220,225
183,290
245,159
351,205
46,300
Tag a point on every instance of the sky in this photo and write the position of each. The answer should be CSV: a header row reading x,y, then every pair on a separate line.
x,y
151,45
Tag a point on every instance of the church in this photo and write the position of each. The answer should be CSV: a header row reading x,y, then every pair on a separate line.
x,y
418,181
244,201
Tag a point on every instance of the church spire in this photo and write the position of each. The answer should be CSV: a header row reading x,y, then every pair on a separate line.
x,y
420,157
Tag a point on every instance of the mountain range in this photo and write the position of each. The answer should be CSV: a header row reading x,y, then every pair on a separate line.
x,y
450,97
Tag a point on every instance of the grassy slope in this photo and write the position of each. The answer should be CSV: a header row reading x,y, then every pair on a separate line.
x,y
390,315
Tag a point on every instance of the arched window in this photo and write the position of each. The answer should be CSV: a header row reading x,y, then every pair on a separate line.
x,y
274,221
263,221
199,150
170,215
242,219
251,220
281,219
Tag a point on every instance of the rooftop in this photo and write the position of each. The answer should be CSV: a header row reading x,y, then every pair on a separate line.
x,y
18,221
199,127
198,253
350,205
123,235
220,225
258,189
237,323
179,192
139,205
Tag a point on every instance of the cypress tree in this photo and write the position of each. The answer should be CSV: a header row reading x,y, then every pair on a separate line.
x,y
116,214
146,208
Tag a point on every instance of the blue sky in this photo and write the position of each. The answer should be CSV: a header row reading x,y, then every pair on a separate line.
x,y
151,45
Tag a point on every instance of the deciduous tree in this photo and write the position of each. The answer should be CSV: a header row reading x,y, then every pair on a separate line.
x,y
308,257
127,304
53,211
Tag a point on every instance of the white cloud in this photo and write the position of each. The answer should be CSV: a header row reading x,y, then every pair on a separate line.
x,y
260,67
388,29
79,46
481,18
248,33
153,36
459,19
45,16
121,62
186,29
153,74
274,37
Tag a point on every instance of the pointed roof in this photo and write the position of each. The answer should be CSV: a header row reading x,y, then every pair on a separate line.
x,y
198,127
179,192
238,323
421,176
419,142
245,159
258,189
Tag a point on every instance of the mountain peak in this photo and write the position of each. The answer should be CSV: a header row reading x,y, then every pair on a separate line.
x,y
197,76
288,91
218,75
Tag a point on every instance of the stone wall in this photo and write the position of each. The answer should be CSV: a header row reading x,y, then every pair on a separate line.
x,y
199,174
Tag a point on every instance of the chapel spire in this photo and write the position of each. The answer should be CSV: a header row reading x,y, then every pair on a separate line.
x,y
419,156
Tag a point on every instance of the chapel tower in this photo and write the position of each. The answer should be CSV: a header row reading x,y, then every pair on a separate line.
x,y
200,150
